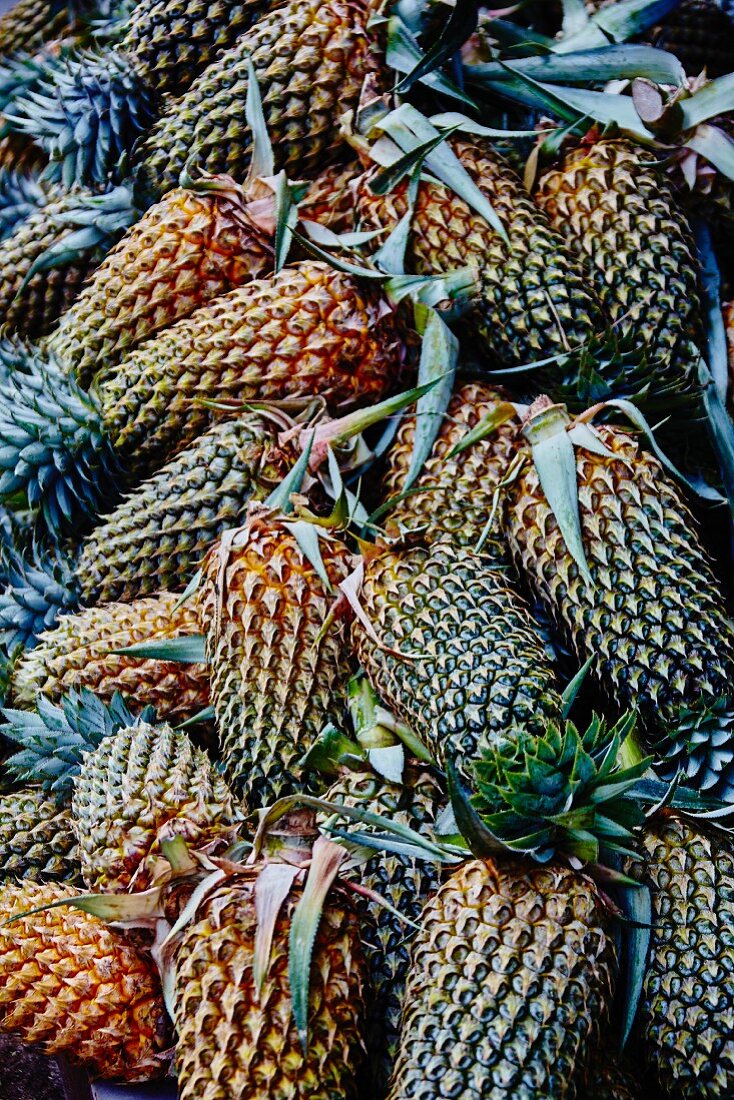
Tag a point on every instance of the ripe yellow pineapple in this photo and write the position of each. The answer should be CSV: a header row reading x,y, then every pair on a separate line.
x,y
71,985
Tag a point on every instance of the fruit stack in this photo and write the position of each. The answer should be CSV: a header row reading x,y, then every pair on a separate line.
x,y
366,490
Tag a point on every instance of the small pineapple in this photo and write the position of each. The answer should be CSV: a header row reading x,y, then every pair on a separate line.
x,y
650,610
686,1013
45,260
143,785
202,240
454,651
70,985
454,495
279,662
510,980
80,652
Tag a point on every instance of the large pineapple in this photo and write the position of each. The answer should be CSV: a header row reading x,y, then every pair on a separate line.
x,y
279,662
616,209
310,60
307,331
509,982
650,610
70,985
144,785
80,651
533,300
453,495
687,1010
45,260
452,650
203,239
239,1034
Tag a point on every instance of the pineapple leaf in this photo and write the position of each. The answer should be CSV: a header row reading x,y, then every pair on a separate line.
x,y
574,686
439,355
597,65
636,906
326,860
404,55
280,498
274,883
712,295
262,163
716,146
460,25
188,650
625,19
575,17
714,98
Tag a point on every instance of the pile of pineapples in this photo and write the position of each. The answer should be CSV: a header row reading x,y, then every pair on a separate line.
x,y
366,490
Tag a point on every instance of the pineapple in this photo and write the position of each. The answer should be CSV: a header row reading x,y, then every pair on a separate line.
x,y
509,982
650,610
278,658
405,883
80,652
37,838
533,299
89,113
617,211
701,35
71,985
143,785
201,241
155,539
307,331
30,24
310,60
453,495
456,654
47,257
686,1014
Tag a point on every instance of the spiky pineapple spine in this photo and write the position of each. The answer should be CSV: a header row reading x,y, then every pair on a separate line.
x,y
279,667
37,839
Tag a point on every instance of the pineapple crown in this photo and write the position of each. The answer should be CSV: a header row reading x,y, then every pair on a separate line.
x,y
563,793
53,449
86,116
20,195
21,73
38,587
54,739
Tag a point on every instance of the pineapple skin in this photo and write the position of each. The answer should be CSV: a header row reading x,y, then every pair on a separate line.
x,y
309,330
232,1044
687,1009
310,60
168,41
655,617
510,980
482,666
29,24
140,786
330,198
37,839
618,212
78,652
187,249
701,35
155,539
534,300
459,492
72,986
406,884
274,682
33,310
